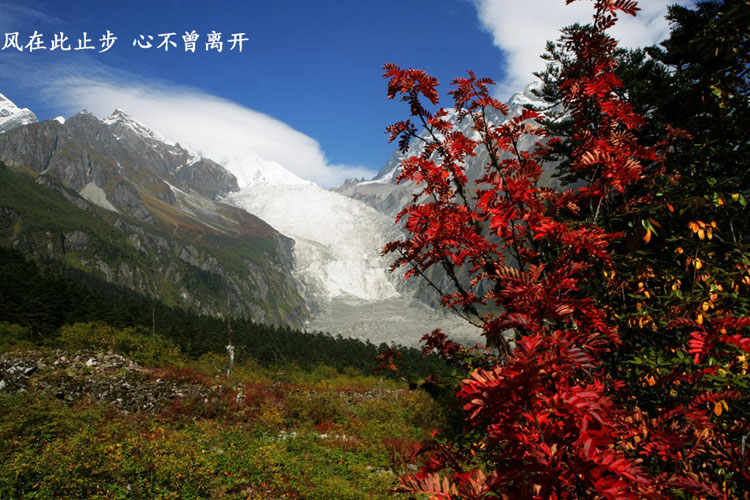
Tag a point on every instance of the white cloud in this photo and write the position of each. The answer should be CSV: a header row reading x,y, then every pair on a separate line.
x,y
521,28
217,128
220,129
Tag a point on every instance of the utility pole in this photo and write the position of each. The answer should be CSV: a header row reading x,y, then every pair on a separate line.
x,y
230,347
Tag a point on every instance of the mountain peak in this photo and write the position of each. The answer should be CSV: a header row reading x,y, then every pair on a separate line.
x,y
84,114
11,116
119,115
120,119
527,97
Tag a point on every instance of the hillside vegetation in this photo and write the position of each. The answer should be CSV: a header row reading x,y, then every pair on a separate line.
x,y
81,421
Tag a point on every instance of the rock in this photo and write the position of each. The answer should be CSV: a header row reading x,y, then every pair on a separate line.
x,y
115,380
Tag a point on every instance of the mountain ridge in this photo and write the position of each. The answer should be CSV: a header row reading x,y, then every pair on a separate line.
x,y
190,247
317,266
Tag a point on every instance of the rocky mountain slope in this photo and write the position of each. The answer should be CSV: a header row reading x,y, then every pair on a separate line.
x,y
144,213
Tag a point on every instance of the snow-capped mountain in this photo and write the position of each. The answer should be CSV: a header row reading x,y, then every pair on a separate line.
x,y
337,242
252,170
123,166
124,125
249,168
11,116
163,231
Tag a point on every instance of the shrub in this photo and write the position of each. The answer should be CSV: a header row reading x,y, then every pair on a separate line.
x,y
552,413
135,343
13,337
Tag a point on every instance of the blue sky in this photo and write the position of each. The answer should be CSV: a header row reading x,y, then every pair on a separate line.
x,y
306,91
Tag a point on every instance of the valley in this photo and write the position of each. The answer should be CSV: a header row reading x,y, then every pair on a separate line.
x,y
244,232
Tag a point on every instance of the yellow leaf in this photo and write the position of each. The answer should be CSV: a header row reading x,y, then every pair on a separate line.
x,y
647,236
701,233
717,409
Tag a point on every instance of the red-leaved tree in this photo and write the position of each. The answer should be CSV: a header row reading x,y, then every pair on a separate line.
x,y
532,265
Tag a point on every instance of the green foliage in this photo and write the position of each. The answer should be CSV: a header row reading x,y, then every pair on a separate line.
x,y
42,299
14,337
316,408
278,441
683,263
301,428
135,343
36,218
44,210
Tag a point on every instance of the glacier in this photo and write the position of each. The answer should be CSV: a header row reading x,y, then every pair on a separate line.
x,y
337,238
342,275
